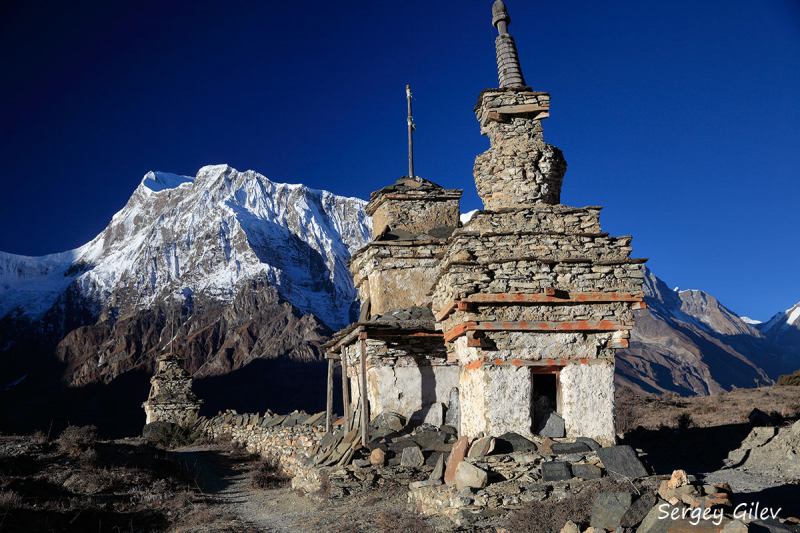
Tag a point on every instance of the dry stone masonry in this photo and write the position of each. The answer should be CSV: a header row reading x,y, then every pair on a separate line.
x,y
171,398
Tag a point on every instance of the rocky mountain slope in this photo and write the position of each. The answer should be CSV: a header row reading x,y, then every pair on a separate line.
x,y
688,342
229,265
247,278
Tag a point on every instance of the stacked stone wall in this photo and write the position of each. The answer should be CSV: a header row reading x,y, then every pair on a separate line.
x,y
416,215
404,374
519,168
272,437
396,275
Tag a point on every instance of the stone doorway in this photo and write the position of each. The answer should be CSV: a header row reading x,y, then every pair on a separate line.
x,y
545,396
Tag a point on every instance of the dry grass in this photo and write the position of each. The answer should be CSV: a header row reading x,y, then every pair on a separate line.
x,y
651,411
549,516
269,476
75,440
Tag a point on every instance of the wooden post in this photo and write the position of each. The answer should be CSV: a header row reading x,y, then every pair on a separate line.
x,y
345,393
364,403
329,406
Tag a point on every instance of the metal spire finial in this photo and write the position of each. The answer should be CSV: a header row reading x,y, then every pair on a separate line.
x,y
411,128
508,70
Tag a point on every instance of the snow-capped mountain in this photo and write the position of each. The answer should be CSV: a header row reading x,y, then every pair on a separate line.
x,y
688,342
179,235
229,266
784,327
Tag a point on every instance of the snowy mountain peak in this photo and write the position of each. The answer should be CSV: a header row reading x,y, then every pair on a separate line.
x,y
209,234
159,181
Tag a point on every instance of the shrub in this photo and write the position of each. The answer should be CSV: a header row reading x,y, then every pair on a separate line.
x,y
550,515
683,420
269,476
10,500
790,380
88,458
175,436
76,439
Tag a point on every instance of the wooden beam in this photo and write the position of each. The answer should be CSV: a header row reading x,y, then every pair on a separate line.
x,y
345,397
551,297
329,404
348,338
539,366
545,327
364,402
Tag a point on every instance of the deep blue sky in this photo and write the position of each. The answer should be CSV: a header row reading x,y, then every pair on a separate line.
x,y
680,117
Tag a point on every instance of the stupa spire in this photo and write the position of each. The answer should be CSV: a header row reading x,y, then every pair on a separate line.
x,y
508,70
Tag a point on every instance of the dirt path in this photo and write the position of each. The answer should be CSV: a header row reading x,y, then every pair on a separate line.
x,y
235,506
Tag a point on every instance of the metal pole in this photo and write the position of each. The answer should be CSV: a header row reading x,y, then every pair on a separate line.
x,y
364,403
411,128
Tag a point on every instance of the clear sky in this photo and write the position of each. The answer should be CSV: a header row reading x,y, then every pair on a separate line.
x,y
682,118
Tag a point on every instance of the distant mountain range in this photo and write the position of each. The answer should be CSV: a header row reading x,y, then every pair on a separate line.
x,y
246,278
688,342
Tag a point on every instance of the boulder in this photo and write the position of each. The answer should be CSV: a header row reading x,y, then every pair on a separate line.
x,y
757,417
513,442
638,510
412,456
481,447
469,475
456,457
552,426
388,420
678,479
377,457
608,509
621,462
570,527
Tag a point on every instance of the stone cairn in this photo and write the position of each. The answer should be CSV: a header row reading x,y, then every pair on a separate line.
x,y
171,398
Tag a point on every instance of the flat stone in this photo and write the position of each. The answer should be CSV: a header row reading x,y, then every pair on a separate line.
x,y
591,443
432,414
608,509
399,445
314,419
428,440
388,420
432,458
362,463
425,483
555,471
450,430
570,447
481,447
638,510
552,426
585,471
377,457
456,456
513,442
469,475
453,415
653,523
438,470
412,456
621,462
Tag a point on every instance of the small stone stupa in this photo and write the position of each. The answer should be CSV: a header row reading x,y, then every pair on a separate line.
x,y
171,398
